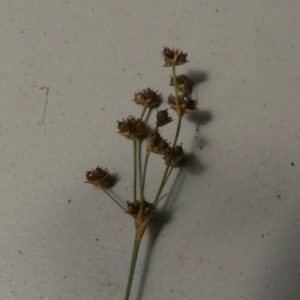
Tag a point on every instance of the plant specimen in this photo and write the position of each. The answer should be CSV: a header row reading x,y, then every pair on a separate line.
x,y
140,208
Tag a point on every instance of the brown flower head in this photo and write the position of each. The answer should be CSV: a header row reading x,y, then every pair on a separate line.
x,y
173,57
162,118
183,83
132,127
99,177
185,102
133,209
156,144
173,157
147,97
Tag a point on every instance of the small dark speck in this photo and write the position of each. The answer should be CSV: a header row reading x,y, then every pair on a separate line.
x,y
201,147
20,252
69,201
97,240
217,10
123,69
197,130
292,164
65,276
171,291
244,81
21,31
45,33
262,236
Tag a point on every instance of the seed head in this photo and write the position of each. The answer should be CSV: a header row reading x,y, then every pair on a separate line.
x,y
162,118
173,157
156,144
147,97
132,127
185,102
99,177
183,83
133,209
173,57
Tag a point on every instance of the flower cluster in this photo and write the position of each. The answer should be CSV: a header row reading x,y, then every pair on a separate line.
x,y
147,97
158,145
173,57
185,103
132,127
99,177
183,83
135,208
162,118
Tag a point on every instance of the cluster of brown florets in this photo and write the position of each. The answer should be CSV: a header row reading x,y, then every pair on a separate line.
x,y
147,97
136,128
134,208
132,127
158,145
99,177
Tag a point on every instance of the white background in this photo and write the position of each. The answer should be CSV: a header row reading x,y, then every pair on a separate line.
x,y
232,229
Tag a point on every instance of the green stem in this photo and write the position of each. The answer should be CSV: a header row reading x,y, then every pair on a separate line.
x,y
169,174
166,174
143,111
134,169
135,253
175,83
117,202
144,177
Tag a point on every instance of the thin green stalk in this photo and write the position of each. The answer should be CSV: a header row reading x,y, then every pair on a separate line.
x,y
170,171
117,202
165,176
143,112
135,253
144,177
134,169
175,83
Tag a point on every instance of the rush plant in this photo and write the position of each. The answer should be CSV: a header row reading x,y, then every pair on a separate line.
x,y
141,208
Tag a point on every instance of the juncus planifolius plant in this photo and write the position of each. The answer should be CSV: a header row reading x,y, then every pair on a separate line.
x,y
140,208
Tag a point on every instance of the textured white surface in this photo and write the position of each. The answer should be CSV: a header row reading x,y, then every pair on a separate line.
x,y
234,228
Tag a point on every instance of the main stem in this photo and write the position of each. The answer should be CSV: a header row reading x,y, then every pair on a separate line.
x,y
135,253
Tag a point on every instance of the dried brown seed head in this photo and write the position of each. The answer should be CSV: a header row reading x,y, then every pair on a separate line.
x,y
174,57
173,157
156,144
132,127
185,102
147,97
136,209
183,83
99,177
162,118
